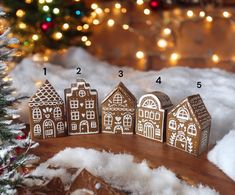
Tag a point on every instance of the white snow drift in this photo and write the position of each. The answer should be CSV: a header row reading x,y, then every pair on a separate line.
x,y
136,178
217,91
223,154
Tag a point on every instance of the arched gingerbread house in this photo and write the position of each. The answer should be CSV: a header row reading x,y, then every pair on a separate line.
x,y
151,115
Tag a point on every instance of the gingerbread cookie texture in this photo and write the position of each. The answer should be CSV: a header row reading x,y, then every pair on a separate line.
x,y
118,111
86,183
46,113
151,114
188,126
81,109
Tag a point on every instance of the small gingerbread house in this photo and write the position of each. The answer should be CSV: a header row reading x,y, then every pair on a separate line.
x,y
188,126
118,111
151,115
86,183
81,109
46,113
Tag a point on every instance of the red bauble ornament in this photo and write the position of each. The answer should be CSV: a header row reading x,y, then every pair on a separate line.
x,y
154,4
46,25
19,150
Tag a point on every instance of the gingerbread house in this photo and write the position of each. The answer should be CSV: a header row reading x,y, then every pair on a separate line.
x,y
86,183
151,115
46,113
81,109
188,126
118,111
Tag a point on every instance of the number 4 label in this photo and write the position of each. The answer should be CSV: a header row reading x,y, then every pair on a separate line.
x,y
159,80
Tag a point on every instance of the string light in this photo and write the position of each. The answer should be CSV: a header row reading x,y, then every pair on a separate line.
x,y
56,10
123,10
20,13
49,1
140,2
162,43
41,1
174,57
28,1
78,12
46,8
94,6
125,26
202,14
96,21
209,19
57,35
190,13
35,37
166,31
117,5
215,58
98,11
65,26
226,14
146,11
86,26
22,25
79,28
88,43
106,10
110,22
139,54
84,38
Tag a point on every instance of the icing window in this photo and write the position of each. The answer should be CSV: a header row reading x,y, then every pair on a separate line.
x,y
192,130
108,119
37,114
57,112
127,120
117,99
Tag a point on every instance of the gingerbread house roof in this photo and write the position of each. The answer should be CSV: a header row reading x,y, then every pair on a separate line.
x,y
86,181
165,101
45,95
79,82
123,90
198,109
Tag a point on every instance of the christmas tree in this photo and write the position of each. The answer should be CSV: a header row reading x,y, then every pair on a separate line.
x,y
53,24
12,138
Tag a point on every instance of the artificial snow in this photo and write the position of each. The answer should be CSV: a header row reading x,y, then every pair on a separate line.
x,y
217,91
120,171
223,154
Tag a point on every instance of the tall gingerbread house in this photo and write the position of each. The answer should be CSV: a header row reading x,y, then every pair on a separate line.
x,y
118,111
151,115
81,109
46,113
188,126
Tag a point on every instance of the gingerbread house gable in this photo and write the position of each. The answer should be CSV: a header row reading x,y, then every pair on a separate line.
x,y
86,183
118,111
185,129
46,113
151,115
120,91
81,108
45,95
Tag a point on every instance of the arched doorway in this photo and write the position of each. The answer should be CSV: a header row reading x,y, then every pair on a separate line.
x,y
181,142
49,129
148,130
84,126
118,129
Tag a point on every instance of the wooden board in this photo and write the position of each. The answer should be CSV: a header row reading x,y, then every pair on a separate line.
x,y
192,169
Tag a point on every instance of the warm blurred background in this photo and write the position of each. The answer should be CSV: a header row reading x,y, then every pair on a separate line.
x,y
144,34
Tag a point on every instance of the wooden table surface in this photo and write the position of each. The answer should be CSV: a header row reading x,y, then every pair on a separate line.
x,y
194,170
